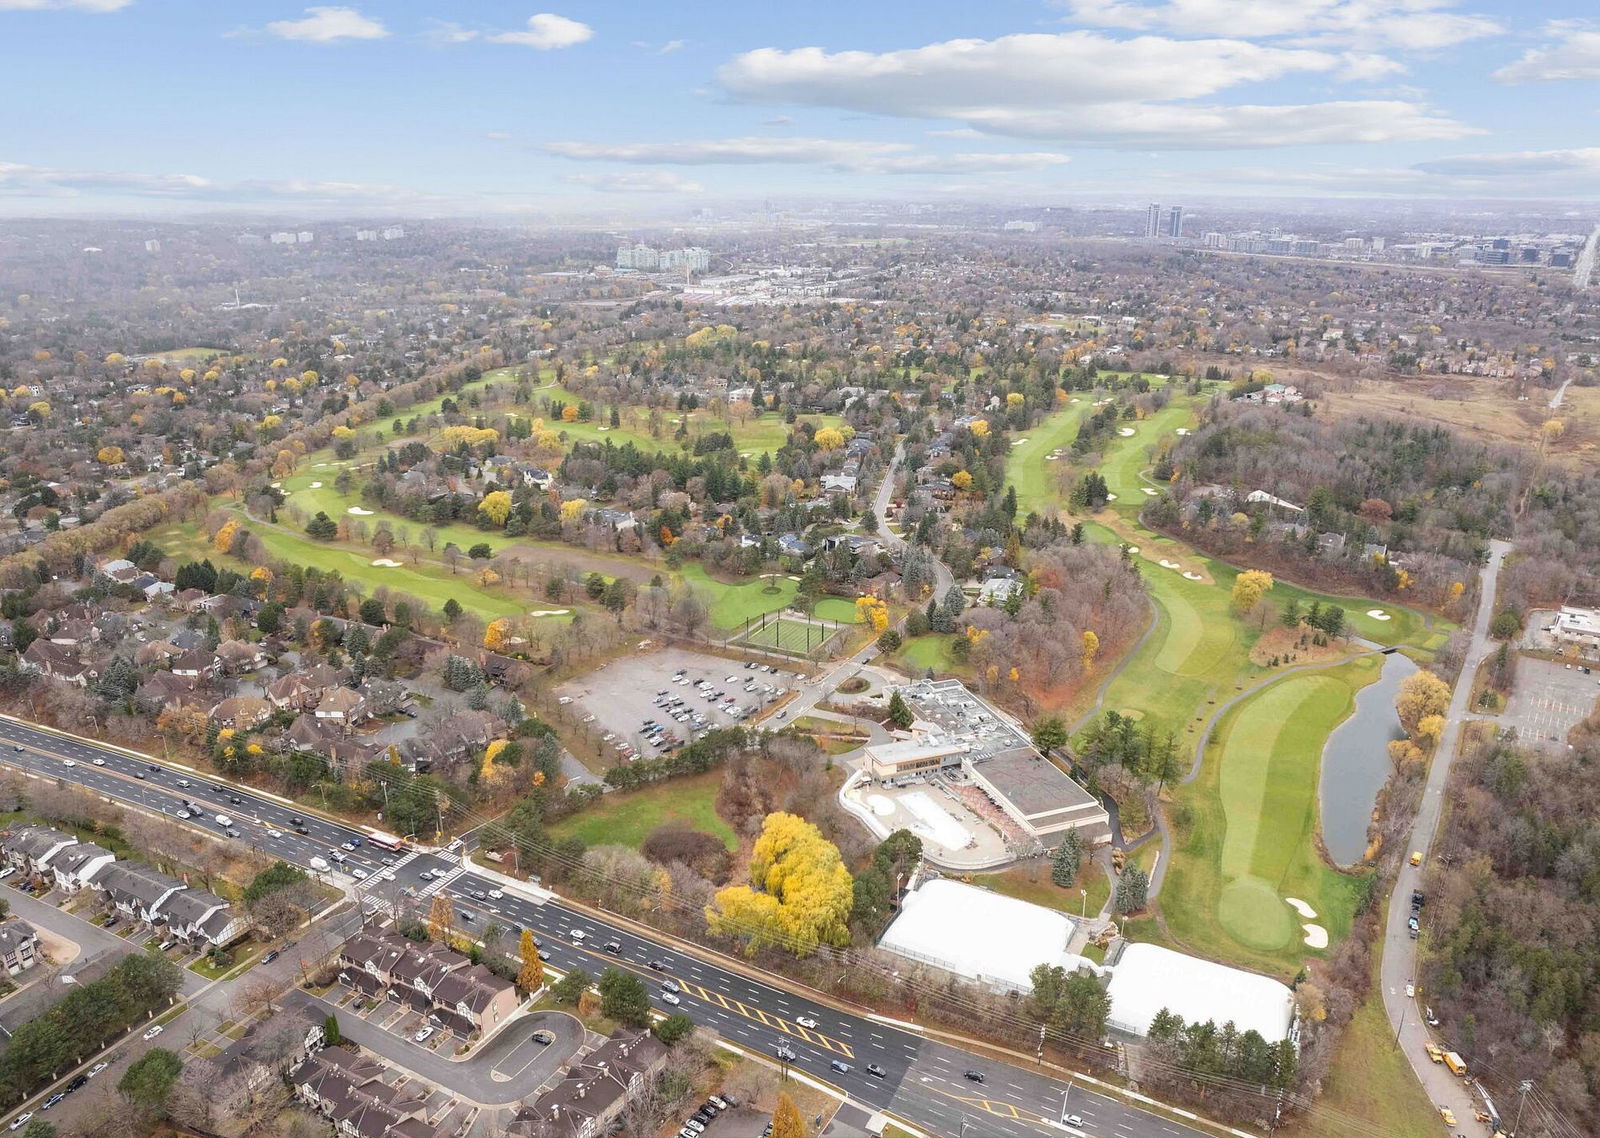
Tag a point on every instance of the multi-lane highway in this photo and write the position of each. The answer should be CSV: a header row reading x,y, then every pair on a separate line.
x,y
921,1081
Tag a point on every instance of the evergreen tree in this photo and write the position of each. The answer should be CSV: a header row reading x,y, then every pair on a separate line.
x,y
1065,862
899,714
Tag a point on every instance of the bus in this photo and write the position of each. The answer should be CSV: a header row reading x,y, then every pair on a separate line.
x,y
386,841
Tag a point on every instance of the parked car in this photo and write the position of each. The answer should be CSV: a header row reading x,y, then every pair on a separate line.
x,y
543,1036
7,872
423,1035
76,1083
270,956
22,1119
97,1068
155,1030
53,1099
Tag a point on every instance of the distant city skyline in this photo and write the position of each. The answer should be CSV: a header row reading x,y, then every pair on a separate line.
x,y
412,107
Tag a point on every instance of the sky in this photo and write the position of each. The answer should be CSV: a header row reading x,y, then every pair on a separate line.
x,y
487,107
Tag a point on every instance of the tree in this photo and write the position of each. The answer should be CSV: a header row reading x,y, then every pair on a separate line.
x,y
675,1027
531,974
786,1120
829,438
570,987
801,892
1132,890
1091,646
1067,859
889,641
330,1031
372,611
1421,694
1049,733
899,713
1248,589
441,919
39,1128
623,997
322,527
1507,623
496,506
149,1079
109,455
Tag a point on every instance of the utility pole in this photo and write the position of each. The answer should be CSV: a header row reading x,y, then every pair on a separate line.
x,y
1405,1007
1523,1087
1064,1094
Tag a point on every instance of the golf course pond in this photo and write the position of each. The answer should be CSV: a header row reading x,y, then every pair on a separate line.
x,y
1355,762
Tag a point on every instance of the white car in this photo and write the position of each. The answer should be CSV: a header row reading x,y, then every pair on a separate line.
x,y
1411,989
387,875
274,833
21,1121
1073,1120
97,1068
358,873
99,762
805,1021
154,1031
7,872
68,763
669,998
496,894
423,1035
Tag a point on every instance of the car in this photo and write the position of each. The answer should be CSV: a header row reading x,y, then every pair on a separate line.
x,y
274,833
231,832
877,1071
670,986
1073,1120
348,845
1435,1052
387,860
466,916
296,820
496,894
614,947
236,800
711,1109
423,1035
151,767
1411,990
358,873
669,998
183,782
974,1076
1429,1018
99,762
154,1031
7,872
721,1102
479,895
111,921
68,763
76,1083
53,1099
97,1068
543,1036
544,956
139,775
387,875
335,855
301,830
784,1053
22,1119
1416,857
1412,924
805,1021
270,957
840,1065
658,966
1448,1115
687,1133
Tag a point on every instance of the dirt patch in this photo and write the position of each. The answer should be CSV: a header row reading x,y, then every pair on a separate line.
x,y
1293,646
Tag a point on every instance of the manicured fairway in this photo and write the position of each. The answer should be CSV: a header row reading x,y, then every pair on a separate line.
x,y
1246,838
732,604
1027,467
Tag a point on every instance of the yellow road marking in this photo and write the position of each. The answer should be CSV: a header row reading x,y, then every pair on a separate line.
x,y
996,1107
744,1010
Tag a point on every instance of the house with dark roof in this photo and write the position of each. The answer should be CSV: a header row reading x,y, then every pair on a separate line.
x,y
45,658
588,1101
78,864
198,664
195,915
241,712
137,891
19,945
31,849
468,999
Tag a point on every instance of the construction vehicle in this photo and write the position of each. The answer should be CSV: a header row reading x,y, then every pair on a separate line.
x,y
1435,1052
1457,1067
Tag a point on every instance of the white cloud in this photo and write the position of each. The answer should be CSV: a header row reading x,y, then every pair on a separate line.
x,y
443,33
18,180
636,182
1405,24
844,155
1087,88
63,5
1574,55
329,25
546,32
1525,163
671,46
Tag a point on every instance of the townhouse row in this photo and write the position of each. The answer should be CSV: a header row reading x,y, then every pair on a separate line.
x,y
466,998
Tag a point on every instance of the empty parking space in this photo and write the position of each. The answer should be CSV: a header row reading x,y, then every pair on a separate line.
x,y
1550,699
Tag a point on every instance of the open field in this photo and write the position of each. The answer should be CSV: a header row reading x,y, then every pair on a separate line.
x,y
1015,883
835,609
1247,826
1483,409
1027,467
783,634
930,651
627,819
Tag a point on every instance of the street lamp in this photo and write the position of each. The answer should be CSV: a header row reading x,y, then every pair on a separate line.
x,y
1083,909
1064,1094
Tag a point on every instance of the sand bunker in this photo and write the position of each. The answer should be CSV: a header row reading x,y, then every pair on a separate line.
x,y
359,511
277,485
1111,497
1316,936
549,612
1125,432
385,563
1019,442
1051,457
1378,614
314,486
1191,575
1133,549
792,577
1165,564
1149,491
1302,908
1183,430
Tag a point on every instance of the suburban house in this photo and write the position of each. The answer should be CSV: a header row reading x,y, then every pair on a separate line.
x,y
137,891
241,712
342,707
47,658
19,945
195,915
588,1101
30,849
241,656
197,664
466,998
78,864
348,1089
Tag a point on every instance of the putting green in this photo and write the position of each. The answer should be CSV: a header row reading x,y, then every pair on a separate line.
x,y
1254,914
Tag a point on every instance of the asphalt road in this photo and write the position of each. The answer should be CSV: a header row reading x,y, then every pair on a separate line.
x,y
923,1082
1399,966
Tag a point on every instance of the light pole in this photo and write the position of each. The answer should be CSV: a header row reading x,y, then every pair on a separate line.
x,y
1524,1087
1083,909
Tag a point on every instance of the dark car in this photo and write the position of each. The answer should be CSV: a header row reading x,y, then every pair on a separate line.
x,y
975,1076
296,820
151,767
543,1036
80,1081
53,1099
784,1053
236,800
270,957
301,830
658,966
876,1071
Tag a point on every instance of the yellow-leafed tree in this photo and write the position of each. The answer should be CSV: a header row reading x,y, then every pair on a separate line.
x,y
786,1120
1248,589
496,506
1422,694
441,919
109,455
801,895
531,974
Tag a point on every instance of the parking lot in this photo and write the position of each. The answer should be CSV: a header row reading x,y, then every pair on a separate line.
x,y
648,705
1549,700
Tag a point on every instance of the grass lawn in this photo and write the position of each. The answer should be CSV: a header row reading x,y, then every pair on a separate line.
x,y
734,603
1016,883
836,608
1246,827
764,432
1027,468
626,819
930,651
